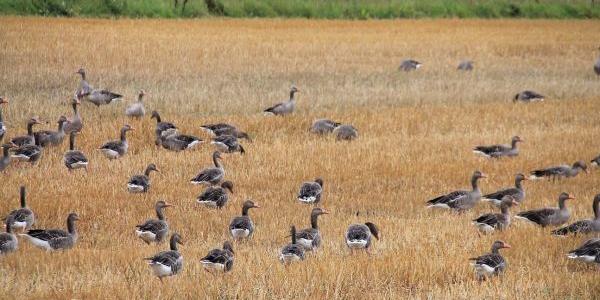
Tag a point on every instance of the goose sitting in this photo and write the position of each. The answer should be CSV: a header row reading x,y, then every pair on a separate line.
x,y
55,239
116,149
95,96
23,218
167,263
490,264
549,216
227,144
409,65
27,153
310,238
292,252
460,200
2,125
528,96
497,151
8,240
583,226
136,109
345,133
51,138
466,65
517,192
588,252
310,192
219,259
284,108
488,223
141,183
173,141
216,196
558,172
160,126
323,126
225,129
28,139
74,159
213,175
6,158
358,236
242,226
154,230
75,123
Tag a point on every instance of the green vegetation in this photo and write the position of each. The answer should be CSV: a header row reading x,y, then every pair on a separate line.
x,y
321,9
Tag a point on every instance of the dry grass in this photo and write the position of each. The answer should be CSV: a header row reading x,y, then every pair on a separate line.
x,y
416,133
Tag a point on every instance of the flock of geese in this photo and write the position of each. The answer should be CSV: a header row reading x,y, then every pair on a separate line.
x,y
227,138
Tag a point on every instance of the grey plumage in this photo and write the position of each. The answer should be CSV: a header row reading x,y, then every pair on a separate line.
x,y
167,263
284,108
28,139
497,151
141,183
219,129
558,172
583,226
219,259
55,239
310,192
137,109
27,153
310,238
588,252
95,96
2,124
491,264
323,126
345,132
291,252
6,157
75,124
460,200
409,65
488,223
154,230
171,140
160,126
517,192
8,240
116,149
74,159
359,236
228,144
549,216
528,96
597,66
242,226
23,218
212,175
466,65
216,196
45,138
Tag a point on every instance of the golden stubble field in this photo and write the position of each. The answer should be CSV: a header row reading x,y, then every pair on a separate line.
x,y
416,134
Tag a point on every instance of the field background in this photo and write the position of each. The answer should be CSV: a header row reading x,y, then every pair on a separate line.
x,y
416,132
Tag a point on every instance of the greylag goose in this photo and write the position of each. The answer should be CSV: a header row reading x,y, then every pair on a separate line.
x,y
45,138
227,144
497,151
28,139
75,123
345,132
488,223
23,218
167,263
595,161
517,192
242,226
310,192
310,238
54,239
154,230
409,65
583,226
95,96
5,159
27,153
284,108
212,175
225,129
74,159
116,149
558,172
136,109
141,183
460,200
2,125
549,216
528,96
171,140
588,252
466,65
323,126
292,252
160,126
216,196
358,236
219,259
8,240
490,264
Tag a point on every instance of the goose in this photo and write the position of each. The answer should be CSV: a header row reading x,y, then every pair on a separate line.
x,y
216,197
74,159
409,65
488,223
497,151
310,238
173,141
116,149
490,264
160,126
460,200
51,138
6,157
212,175
219,259
465,65
154,230
292,252
27,153
2,125
588,252
28,139
310,192
167,263
597,66
284,108
136,109
141,183
558,172
75,123
517,192
583,226
54,239
242,226
549,216
595,161
95,96
225,129
358,236
323,126
345,132
8,240
228,144
23,218
528,96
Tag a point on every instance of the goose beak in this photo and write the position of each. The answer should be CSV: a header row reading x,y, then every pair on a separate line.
x,y
325,212
484,176
256,205
571,197
514,202
506,245
169,205
157,170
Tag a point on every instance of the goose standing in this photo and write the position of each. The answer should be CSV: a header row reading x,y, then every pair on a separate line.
x,y
587,252
345,132
323,126
2,125
160,126
212,175
216,196
116,149
558,172
6,158
242,226
75,123
27,153
466,65
460,200
8,240
74,159
141,183
409,65
292,252
528,96
23,218
51,138
167,263
310,238
154,230
219,259
95,96
284,108
358,236
28,139
310,192
583,226
55,239
497,151
549,216
488,223
228,144
517,193
490,264
136,109
173,141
